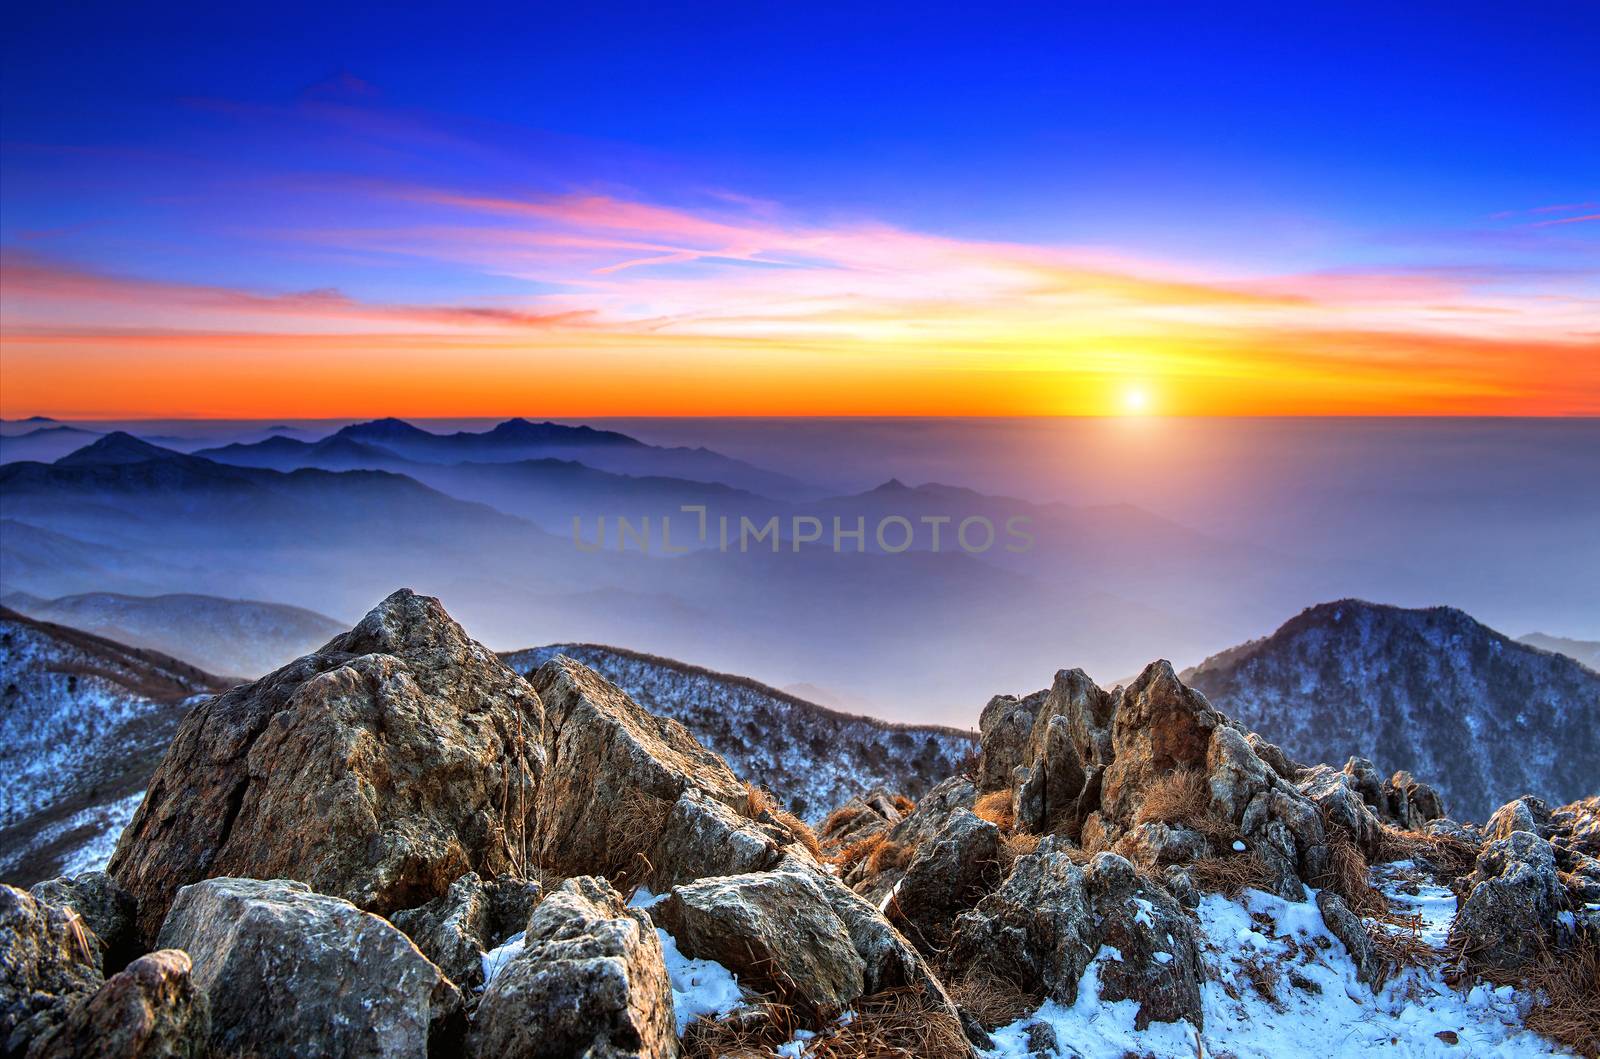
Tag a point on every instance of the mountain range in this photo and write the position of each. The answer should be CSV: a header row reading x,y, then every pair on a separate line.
x,y
1430,691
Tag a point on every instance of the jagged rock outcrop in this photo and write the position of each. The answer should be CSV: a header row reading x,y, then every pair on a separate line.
x,y
149,1010
589,981
287,971
1577,826
701,836
1005,727
1050,917
106,908
1509,905
474,916
382,768
1337,796
615,773
1527,813
950,873
48,960
1410,804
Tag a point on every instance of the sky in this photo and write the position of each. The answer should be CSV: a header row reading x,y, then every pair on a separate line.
x,y
786,209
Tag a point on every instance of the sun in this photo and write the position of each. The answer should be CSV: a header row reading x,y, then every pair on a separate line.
x,y
1135,401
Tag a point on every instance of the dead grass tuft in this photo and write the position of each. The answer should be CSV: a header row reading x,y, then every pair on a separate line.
x,y
760,803
1565,987
1183,797
860,850
1348,874
992,998
895,1024
1231,874
903,804
890,855
1397,942
1445,855
996,808
841,818
633,834
752,1032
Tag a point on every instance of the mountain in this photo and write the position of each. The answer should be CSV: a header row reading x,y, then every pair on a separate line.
x,y
281,453
1585,651
814,757
44,444
235,636
83,722
15,427
1431,691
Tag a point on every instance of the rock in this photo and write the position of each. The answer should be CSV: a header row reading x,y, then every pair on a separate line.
x,y
380,769
777,931
703,837
1281,827
151,1010
105,907
1411,804
614,776
1276,759
456,930
1050,917
1365,779
1578,825
1525,814
950,873
48,959
1005,727
290,972
1507,910
1352,933
1067,751
1159,726
1338,798
928,817
589,981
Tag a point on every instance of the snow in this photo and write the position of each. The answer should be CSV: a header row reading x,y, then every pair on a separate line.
x,y
495,960
699,987
1238,846
95,854
1316,1007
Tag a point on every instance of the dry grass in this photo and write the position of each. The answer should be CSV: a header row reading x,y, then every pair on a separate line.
x,y
859,850
1230,875
1183,797
889,855
902,804
1348,874
992,998
841,818
632,835
1401,946
894,1024
753,1032
996,808
1565,987
1445,855
759,803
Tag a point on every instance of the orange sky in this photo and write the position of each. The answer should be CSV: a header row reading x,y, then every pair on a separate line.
x,y
639,309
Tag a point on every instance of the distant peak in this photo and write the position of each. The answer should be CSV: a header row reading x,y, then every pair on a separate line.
x,y
893,485
117,447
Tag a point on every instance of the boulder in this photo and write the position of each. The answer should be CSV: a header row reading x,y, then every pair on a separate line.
x,y
589,981
949,874
1508,907
1337,796
1158,726
49,958
150,1010
1005,728
703,837
615,773
1525,814
1050,917
1411,803
105,908
474,916
1059,781
290,972
777,931
1577,825
1279,826
1352,934
380,769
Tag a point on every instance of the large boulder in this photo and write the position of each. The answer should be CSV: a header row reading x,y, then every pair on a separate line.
x,y
380,769
1061,776
1005,728
615,774
1527,813
290,972
49,958
1410,803
150,1010
701,836
473,917
949,874
1337,795
1507,913
1051,916
106,908
589,981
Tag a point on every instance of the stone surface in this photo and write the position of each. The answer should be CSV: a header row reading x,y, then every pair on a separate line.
x,y
150,1010
1005,727
380,769
1338,797
703,837
589,982
615,773
1525,814
1508,906
1050,917
1578,825
48,960
474,916
1059,781
290,972
1410,803
1352,934
949,874
105,908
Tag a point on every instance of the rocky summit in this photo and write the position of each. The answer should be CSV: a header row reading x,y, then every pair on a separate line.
x,y
399,846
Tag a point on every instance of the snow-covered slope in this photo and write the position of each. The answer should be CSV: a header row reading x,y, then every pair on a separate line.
x,y
1479,715
83,722
813,757
241,637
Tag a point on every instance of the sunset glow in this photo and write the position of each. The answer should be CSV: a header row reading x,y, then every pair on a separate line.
x,y
347,251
